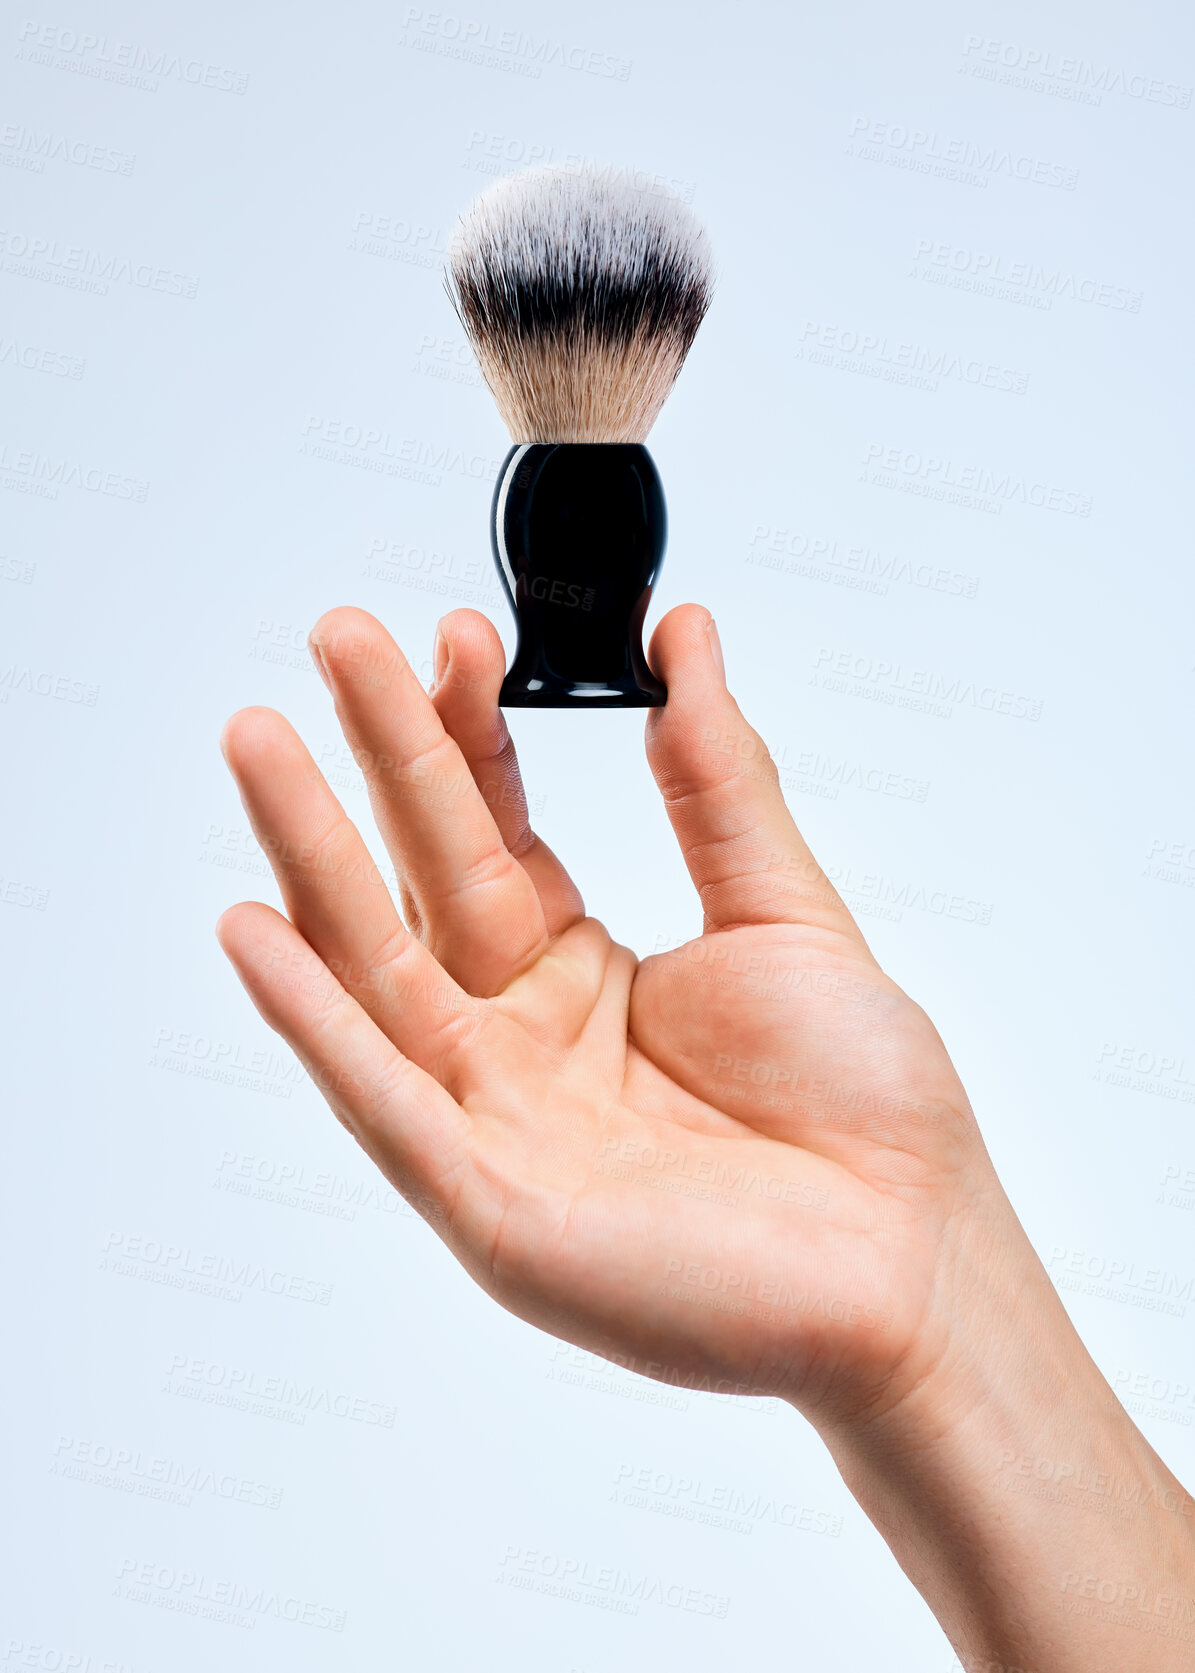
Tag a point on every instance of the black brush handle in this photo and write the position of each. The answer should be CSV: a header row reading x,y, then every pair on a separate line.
x,y
578,532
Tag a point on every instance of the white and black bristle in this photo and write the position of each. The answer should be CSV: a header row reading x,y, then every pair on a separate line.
x,y
581,293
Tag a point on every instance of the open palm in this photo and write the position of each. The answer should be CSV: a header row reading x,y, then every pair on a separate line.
x,y
738,1161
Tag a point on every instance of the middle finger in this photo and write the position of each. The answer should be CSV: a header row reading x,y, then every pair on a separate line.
x,y
473,904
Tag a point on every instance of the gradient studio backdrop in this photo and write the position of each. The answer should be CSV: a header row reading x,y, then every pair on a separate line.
x,y
930,440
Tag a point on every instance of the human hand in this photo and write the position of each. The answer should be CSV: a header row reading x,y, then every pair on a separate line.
x,y
747,1162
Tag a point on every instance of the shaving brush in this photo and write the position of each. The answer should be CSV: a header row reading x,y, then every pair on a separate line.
x,y
581,295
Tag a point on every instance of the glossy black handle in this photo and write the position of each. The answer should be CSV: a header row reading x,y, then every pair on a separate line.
x,y
578,531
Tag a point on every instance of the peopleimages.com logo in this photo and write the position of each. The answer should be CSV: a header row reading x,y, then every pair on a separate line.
x,y
1084,79
936,476
129,62
517,51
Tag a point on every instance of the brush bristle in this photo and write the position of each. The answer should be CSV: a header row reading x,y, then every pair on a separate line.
x,y
581,294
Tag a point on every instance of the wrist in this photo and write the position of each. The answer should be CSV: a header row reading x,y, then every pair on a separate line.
x,y
1012,1486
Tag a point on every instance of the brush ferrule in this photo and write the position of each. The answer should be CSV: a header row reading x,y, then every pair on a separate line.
x,y
578,534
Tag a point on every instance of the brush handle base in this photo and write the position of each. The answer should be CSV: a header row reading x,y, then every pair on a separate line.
x,y
520,693
579,530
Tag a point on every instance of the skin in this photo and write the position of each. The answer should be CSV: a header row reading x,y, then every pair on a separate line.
x,y
746,1164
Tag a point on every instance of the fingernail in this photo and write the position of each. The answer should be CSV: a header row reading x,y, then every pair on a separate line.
x,y
317,656
440,656
716,648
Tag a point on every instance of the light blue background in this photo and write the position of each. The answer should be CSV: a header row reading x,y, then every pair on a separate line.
x,y
140,1081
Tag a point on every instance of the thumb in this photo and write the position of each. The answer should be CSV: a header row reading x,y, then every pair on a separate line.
x,y
748,861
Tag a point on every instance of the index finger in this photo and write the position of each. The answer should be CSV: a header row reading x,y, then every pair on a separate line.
x,y
469,666
474,906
